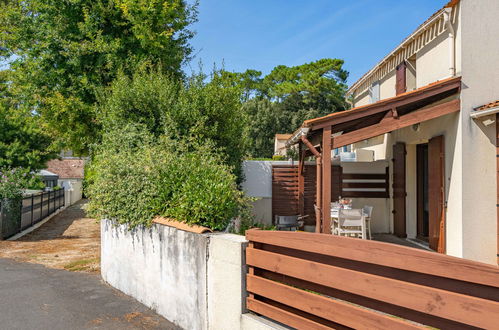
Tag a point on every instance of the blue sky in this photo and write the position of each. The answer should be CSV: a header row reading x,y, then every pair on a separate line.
x,y
260,34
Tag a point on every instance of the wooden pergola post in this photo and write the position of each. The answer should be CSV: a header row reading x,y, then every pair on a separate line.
x,y
326,180
301,180
318,195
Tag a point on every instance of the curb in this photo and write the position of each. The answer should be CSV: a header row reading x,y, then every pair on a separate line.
x,y
35,226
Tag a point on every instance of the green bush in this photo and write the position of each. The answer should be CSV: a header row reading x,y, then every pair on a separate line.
x,y
194,110
13,181
137,176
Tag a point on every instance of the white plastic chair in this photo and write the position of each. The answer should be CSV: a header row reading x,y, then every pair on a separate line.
x,y
335,211
368,211
351,223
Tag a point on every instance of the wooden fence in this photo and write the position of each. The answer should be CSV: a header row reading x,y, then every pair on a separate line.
x,y
319,281
285,188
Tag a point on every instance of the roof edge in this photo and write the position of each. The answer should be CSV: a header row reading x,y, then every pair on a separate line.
x,y
408,39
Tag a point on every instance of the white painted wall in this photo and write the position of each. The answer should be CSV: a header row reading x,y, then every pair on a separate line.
x,y
380,222
258,177
377,144
432,62
258,184
196,281
480,75
74,189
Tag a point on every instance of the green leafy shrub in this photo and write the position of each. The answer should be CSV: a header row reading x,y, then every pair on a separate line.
x,y
194,110
138,177
278,157
15,180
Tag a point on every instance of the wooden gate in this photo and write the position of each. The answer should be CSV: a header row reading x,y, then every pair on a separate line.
x,y
319,281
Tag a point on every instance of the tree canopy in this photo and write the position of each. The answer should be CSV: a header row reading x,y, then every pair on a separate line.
x,y
280,101
63,52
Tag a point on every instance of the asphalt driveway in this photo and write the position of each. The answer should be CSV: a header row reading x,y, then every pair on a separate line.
x,y
35,297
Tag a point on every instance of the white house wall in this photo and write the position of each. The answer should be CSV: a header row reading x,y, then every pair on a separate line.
x,y
480,76
432,62
448,127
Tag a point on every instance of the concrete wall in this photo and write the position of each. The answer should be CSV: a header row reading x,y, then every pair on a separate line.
x,y
162,267
258,183
196,281
74,189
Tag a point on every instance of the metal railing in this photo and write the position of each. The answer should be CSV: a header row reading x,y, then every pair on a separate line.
x,y
17,215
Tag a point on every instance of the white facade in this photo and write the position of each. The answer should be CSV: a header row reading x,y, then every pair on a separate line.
x,y
470,146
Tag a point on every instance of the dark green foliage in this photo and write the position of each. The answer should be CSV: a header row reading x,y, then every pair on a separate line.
x,y
64,52
23,142
194,111
287,96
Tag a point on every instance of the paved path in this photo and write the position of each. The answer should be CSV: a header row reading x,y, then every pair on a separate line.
x,y
35,297
70,240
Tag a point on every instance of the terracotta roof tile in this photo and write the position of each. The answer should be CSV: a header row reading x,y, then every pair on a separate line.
x,y
67,168
488,106
283,136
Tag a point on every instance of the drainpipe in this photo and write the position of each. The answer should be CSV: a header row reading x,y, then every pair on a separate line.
x,y
452,42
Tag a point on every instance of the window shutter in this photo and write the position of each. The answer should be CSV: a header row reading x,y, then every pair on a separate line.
x,y
401,85
374,92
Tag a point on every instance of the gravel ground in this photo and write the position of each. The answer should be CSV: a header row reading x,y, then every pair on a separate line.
x,y
68,241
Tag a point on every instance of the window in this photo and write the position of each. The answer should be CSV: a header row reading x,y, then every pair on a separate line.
x,y
374,92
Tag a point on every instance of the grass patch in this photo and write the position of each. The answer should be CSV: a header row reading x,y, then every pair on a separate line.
x,y
80,265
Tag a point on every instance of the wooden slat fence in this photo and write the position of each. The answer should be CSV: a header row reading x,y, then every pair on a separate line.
x,y
285,188
319,281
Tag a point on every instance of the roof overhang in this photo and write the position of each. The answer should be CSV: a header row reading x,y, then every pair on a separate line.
x,y
428,102
483,113
419,32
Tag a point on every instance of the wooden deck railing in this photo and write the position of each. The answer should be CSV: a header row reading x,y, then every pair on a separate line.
x,y
319,281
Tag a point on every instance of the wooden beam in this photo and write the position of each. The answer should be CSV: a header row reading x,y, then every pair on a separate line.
x,y
333,310
439,302
497,178
392,124
385,105
310,146
326,180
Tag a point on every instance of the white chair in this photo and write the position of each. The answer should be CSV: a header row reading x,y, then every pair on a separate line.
x,y
351,223
368,211
335,212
